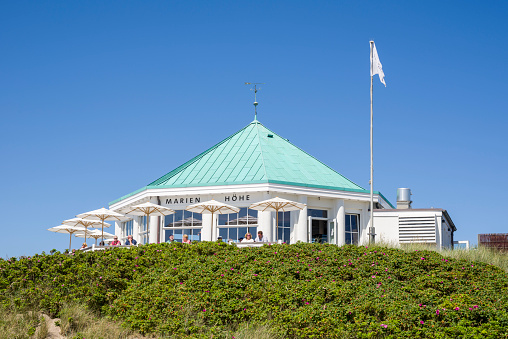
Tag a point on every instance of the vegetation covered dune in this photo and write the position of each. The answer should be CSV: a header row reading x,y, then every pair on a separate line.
x,y
216,290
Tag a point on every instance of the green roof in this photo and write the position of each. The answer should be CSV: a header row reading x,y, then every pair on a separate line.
x,y
254,154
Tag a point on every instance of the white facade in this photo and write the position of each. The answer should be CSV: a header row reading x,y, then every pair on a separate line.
x,y
428,226
330,206
338,212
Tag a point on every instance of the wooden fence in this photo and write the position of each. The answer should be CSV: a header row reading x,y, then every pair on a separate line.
x,y
497,241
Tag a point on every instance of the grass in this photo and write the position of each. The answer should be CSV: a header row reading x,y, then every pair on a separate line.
x,y
478,254
43,330
76,321
18,324
254,331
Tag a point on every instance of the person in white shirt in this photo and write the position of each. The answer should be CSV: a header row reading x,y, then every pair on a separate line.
x,y
248,238
260,237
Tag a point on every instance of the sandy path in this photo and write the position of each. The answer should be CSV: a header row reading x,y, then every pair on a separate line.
x,y
53,330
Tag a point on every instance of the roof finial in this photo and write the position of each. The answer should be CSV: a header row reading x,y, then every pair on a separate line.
x,y
255,89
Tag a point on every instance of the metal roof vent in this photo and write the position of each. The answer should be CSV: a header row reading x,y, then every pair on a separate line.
x,y
404,198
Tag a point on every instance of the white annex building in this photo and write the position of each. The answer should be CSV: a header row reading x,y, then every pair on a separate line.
x,y
255,164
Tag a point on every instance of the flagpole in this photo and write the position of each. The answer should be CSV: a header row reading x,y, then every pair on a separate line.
x,y
372,234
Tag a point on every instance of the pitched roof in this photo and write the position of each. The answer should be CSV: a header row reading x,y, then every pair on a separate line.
x,y
254,154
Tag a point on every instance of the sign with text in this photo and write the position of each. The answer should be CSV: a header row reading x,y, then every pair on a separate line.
x,y
236,199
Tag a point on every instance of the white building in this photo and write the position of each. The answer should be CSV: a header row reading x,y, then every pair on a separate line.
x,y
405,225
256,164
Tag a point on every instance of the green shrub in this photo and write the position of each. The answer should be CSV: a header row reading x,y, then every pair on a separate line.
x,y
290,291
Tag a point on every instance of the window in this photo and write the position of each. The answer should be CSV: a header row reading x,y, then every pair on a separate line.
x,y
352,229
144,231
319,226
183,222
182,218
317,213
234,226
284,229
128,228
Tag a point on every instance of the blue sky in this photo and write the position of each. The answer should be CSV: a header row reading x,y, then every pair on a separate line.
x,y
98,99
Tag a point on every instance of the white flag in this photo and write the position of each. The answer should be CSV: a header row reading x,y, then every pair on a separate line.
x,y
375,64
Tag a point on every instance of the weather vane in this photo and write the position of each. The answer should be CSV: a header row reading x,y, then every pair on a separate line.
x,y
255,89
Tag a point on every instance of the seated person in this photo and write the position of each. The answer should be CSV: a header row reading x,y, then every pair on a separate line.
x,y
260,237
248,238
171,239
115,242
84,246
185,239
130,241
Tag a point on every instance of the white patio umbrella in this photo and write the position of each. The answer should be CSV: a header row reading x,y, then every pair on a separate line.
x,y
96,234
67,229
276,205
212,207
83,222
84,233
147,209
103,214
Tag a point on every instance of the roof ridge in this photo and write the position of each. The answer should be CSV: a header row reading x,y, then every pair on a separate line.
x,y
261,148
310,155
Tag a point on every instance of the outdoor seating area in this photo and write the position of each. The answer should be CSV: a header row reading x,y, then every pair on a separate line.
x,y
80,226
